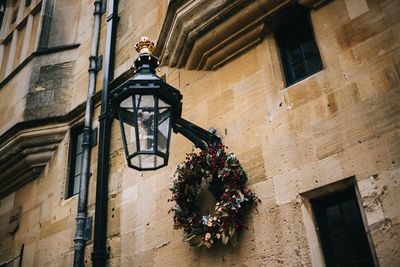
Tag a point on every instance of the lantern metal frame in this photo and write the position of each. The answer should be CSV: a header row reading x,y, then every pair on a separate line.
x,y
145,82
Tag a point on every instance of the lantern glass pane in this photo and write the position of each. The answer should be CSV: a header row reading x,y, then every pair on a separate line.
x,y
145,106
127,119
147,161
163,126
146,128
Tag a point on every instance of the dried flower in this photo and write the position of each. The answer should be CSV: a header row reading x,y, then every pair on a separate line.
x,y
227,181
207,236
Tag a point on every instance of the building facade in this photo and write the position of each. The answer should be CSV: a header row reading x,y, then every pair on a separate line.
x,y
306,93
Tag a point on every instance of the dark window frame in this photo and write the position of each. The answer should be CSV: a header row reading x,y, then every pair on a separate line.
x,y
296,24
2,11
320,207
74,133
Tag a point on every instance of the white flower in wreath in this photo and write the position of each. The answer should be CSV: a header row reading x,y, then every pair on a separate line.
x,y
205,219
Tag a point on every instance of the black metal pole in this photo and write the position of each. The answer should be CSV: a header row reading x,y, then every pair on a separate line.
x,y
99,255
79,250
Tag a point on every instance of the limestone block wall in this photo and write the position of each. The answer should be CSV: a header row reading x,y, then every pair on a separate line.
x,y
339,124
12,97
47,221
50,84
342,122
50,90
26,93
64,23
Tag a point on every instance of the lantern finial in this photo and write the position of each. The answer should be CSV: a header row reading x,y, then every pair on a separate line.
x,y
145,46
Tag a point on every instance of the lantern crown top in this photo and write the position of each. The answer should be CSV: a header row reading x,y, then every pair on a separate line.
x,y
145,46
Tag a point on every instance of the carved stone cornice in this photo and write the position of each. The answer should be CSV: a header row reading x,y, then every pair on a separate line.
x,y
24,156
203,34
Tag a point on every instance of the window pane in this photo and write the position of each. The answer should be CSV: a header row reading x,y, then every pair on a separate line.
x,y
79,143
295,55
299,71
77,180
314,64
78,164
290,39
309,49
75,161
342,234
350,213
334,218
295,38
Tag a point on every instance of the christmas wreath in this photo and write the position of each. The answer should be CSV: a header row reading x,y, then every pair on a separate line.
x,y
226,181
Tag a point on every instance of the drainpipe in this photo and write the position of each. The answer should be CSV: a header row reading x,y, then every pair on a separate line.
x,y
100,255
94,66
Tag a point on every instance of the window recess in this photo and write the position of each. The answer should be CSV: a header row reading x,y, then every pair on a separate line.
x,y
75,160
341,230
298,50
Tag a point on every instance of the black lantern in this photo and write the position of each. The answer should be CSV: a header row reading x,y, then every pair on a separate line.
x,y
147,108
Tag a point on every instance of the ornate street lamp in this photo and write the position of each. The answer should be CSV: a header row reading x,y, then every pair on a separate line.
x,y
148,108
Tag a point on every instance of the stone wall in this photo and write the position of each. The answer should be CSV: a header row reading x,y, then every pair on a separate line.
x,y
50,91
47,221
53,82
340,124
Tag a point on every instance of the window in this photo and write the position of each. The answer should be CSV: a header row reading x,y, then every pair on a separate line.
x,y
15,6
75,160
341,230
6,53
299,52
28,35
2,11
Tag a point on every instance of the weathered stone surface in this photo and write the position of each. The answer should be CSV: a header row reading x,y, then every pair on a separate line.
x,y
49,91
386,240
356,8
64,22
335,129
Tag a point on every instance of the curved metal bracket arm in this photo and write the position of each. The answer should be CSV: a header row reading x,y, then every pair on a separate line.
x,y
200,137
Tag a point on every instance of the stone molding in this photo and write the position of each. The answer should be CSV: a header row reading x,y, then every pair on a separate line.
x,y
203,34
24,156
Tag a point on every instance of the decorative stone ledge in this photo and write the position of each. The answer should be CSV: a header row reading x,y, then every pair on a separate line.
x,y
203,34
23,157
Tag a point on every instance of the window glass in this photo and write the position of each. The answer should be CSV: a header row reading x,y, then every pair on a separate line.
x,y
76,155
299,52
341,230
2,11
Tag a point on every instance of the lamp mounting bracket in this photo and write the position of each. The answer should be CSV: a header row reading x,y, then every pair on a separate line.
x,y
200,137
